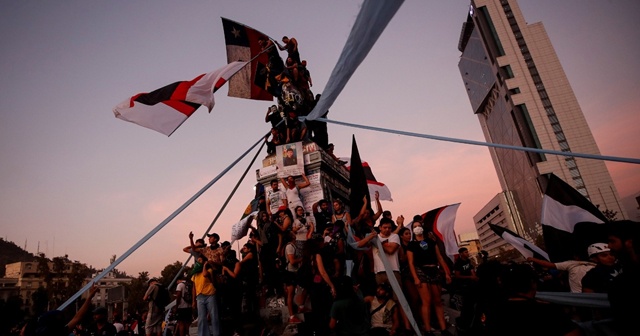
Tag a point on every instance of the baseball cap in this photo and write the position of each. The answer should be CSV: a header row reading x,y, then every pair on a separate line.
x,y
596,248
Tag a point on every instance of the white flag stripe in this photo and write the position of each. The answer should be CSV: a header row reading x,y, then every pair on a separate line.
x,y
202,91
160,117
445,224
519,243
240,229
564,217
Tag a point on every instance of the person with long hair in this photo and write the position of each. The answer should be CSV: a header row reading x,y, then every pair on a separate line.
x,y
424,257
284,223
246,270
302,227
321,260
408,286
340,213
271,239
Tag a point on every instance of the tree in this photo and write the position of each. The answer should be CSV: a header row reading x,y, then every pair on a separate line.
x,y
169,272
40,301
136,289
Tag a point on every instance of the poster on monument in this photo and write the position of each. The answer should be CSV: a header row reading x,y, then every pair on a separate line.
x,y
290,160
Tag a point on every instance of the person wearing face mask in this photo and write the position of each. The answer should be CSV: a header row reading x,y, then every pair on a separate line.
x,y
424,257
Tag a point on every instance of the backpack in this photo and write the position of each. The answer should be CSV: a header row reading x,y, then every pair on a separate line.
x,y
187,295
163,298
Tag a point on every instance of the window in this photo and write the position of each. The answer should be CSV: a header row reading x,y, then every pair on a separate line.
x,y
506,71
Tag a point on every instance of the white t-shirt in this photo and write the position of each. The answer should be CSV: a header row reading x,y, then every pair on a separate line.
x,y
275,199
303,229
291,249
181,287
577,270
378,266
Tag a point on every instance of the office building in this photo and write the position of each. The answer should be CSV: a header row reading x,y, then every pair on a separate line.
x,y
522,97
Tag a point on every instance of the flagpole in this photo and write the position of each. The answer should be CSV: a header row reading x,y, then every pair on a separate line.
x,y
156,229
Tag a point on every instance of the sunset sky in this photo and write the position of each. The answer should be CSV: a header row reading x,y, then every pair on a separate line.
x,y
78,181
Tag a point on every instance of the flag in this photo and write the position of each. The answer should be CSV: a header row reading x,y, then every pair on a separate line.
x,y
358,182
242,45
525,247
241,228
372,183
441,221
165,109
570,222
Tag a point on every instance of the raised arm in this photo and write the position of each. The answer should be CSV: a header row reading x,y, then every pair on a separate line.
x,y
400,222
83,310
305,183
379,206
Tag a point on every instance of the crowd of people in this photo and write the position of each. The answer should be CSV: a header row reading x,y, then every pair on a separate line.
x,y
332,270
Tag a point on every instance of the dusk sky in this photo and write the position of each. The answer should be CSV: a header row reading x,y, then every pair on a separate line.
x,y
78,181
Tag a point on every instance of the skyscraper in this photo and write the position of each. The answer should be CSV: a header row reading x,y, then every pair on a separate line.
x,y
522,97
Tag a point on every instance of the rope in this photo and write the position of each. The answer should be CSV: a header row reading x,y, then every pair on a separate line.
x,y
486,144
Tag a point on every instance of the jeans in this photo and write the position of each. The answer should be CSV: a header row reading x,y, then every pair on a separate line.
x,y
207,304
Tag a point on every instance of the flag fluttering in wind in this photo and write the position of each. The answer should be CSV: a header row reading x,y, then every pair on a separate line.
x,y
165,109
242,45
525,247
241,228
372,183
371,21
441,222
570,222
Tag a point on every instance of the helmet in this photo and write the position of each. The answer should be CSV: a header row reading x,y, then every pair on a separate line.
x,y
596,248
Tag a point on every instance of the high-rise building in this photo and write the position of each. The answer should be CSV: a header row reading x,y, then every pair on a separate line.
x,y
522,97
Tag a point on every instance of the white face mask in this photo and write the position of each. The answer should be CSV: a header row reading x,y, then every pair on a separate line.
x,y
418,230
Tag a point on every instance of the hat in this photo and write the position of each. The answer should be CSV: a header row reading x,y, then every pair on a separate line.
x,y
151,280
100,310
596,248
226,243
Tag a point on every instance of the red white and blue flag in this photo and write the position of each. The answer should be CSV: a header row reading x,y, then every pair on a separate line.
x,y
165,109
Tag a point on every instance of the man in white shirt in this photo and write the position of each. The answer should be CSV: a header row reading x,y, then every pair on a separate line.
x,y
576,270
183,295
390,243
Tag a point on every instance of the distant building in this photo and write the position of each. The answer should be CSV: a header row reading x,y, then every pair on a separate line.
x,y
23,278
498,211
522,97
472,243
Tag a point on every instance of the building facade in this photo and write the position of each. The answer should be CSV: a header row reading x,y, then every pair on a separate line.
x,y
24,278
522,97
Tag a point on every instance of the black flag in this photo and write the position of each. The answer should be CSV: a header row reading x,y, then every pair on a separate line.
x,y
358,181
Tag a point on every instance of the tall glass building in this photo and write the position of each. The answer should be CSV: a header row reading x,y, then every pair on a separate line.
x,y
521,96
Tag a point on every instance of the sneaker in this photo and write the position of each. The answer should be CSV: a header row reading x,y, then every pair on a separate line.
x,y
294,319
